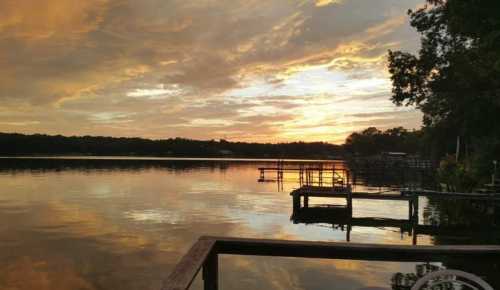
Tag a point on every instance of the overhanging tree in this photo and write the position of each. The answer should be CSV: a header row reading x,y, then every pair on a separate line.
x,y
455,77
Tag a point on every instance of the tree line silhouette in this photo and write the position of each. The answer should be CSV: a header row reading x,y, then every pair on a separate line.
x,y
370,141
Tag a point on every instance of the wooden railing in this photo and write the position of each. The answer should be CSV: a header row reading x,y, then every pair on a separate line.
x,y
204,254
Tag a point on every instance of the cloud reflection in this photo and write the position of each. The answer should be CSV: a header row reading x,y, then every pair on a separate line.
x,y
126,229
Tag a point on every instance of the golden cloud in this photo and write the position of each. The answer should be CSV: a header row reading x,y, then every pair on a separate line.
x,y
38,20
320,3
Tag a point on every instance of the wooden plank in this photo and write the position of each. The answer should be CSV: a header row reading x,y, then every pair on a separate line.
x,y
366,195
341,192
355,195
184,273
315,191
330,250
312,188
455,195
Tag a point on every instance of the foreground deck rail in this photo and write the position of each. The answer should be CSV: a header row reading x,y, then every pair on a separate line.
x,y
204,254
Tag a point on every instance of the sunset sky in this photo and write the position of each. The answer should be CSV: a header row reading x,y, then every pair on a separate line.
x,y
267,71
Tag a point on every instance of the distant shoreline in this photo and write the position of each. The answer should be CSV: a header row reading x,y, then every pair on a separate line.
x,y
15,145
369,142
153,158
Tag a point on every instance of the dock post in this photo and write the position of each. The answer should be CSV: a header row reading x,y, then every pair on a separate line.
x,y
296,202
301,174
320,174
349,200
211,272
414,225
414,239
415,207
410,210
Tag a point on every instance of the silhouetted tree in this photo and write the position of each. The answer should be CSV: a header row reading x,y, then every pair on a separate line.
x,y
455,78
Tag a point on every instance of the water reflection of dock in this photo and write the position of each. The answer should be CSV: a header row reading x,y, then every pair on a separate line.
x,y
340,218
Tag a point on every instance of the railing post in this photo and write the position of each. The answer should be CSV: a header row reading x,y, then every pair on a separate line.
x,y
415,218
415,207
410,209
211,272
349,200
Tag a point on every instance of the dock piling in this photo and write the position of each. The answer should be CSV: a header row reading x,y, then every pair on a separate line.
x,y
296,202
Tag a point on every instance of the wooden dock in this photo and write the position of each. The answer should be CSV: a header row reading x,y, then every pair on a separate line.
x,y
309,174
337,173
302,195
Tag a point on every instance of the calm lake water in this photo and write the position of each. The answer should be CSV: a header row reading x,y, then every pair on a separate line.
x,y
124,224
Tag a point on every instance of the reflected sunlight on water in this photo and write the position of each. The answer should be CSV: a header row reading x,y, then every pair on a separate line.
x,y
124,225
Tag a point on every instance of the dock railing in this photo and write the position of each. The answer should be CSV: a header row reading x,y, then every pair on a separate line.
x,y
203,255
